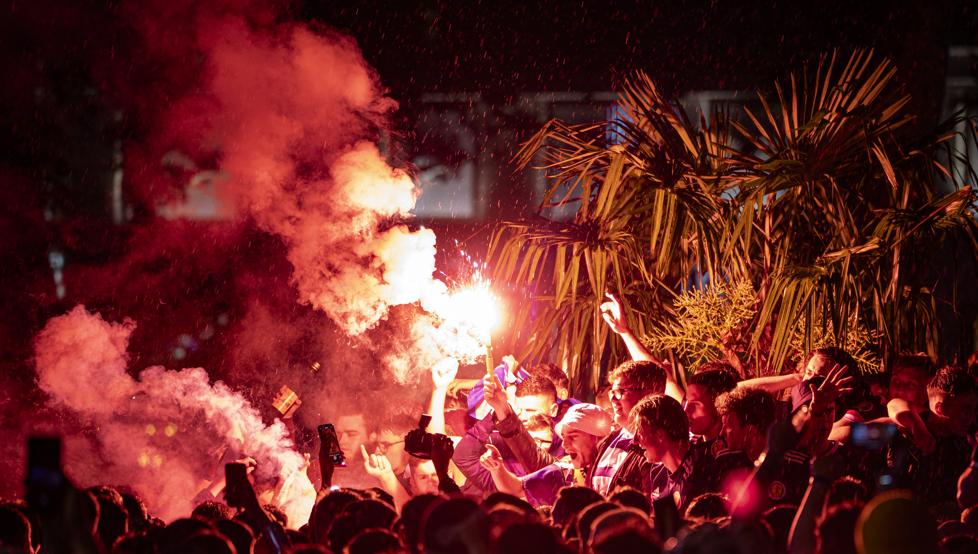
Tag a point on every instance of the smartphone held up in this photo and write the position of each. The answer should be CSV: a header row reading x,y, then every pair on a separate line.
x,y
329,440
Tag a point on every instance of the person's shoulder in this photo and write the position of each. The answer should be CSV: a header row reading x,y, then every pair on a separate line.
x,y
606,441
555,471
727,459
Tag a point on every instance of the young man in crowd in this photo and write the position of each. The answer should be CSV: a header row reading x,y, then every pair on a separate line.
x,y
909,376
933,473
747,416
580,430
510,374
678,469
505,428
908,406
389,463
618,464
710,381
423,476
354,435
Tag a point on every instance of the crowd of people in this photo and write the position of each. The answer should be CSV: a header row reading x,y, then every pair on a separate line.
x,y
822,460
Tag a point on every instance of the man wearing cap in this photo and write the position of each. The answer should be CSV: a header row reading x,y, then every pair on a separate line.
x,y
581,428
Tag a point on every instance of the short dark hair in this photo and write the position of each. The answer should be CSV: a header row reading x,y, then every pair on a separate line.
x,y
661,412
953,381
397,423
240,535
555,374
113,520
709,506
644,373
628,497
752,406
914,362
846,489
715,381
570,501
539,422
536,385
835,528
212,510
837,356
15,528
374,540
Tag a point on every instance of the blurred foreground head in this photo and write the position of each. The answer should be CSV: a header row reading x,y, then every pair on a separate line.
x,y
895,523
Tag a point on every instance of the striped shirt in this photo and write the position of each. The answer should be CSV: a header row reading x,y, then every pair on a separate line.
x,y
611,459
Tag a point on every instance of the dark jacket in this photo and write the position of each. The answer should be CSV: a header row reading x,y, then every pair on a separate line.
x,y
633,471
519,451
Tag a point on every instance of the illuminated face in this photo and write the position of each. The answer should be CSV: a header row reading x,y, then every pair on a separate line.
x,y
909,385
352,433
817,365
391,444
624,396
960,411
734,432
424,478
581,447
544,438
528,406
652,441
700,410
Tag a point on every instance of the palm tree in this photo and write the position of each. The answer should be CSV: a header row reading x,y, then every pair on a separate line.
x,y
828,208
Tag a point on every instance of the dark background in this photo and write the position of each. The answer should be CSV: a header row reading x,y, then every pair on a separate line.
x,y
64,123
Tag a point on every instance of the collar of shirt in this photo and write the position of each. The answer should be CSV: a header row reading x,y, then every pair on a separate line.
x,y
685,466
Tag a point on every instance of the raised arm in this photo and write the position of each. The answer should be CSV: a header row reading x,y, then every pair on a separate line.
x,y
469,450
442,452
505,481
772,384
442,375
614,315
378,466
512,430
801,539
909,421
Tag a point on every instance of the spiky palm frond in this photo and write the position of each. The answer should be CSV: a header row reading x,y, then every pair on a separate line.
x,y
817,209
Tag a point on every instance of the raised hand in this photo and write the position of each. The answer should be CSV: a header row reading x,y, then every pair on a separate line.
x,y
444,372
834,385
492,460
495,396
442,449
249,463
613,315
376,465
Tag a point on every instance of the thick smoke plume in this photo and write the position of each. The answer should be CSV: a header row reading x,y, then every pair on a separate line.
x,y
167,433
291,115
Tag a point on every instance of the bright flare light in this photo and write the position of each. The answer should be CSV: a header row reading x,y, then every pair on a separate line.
x,y
468,315
475,307
478,306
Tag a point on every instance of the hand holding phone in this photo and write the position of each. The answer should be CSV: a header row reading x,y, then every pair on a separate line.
x,y
872,436
331,443
236,484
